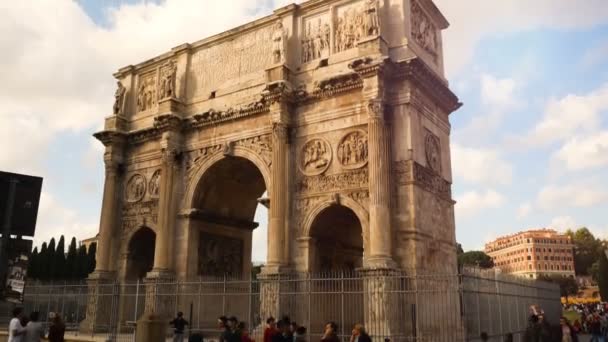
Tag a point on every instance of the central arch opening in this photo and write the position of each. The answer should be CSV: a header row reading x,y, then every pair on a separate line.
x,y
338,240
227,199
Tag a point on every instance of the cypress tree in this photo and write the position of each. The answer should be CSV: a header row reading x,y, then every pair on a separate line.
x,y
603,276
49,260
71,265
91,258
82,263
32,267
59,260
43,262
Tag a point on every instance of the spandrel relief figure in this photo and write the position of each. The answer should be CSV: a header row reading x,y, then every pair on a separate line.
x,y
325,35
318,41
279,39
371,18
119,98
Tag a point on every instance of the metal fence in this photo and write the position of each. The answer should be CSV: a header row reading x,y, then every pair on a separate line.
x,y
396,306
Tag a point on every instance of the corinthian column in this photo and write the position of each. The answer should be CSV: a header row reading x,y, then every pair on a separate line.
x,y
278,197
163,262
379,188
109,210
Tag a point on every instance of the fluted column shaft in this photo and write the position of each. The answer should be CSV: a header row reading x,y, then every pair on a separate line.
x,y
166,215
379,184
108,219
278,196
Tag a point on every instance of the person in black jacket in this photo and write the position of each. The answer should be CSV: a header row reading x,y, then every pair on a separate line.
x,y
359,334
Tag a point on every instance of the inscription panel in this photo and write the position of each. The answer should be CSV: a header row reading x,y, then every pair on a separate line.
x,y
247,53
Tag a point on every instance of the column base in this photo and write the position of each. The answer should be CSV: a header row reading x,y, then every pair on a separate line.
x,y
151,328
272,285
101,292
380,291
379,263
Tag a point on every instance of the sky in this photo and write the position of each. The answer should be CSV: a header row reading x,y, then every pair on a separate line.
x,y
529,146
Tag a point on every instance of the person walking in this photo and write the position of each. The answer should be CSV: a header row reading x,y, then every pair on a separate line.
x,y
222,323
283,335
330,334
300,335
179,326
56,329
245,337
359,334
233,333
567,332
271,329
15,329
34,331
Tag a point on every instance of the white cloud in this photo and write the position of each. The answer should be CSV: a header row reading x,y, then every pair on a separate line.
x,y
471,203
569,116
563,223
473,20
480,165
524,210
552,197
54,219
497,92
579,153
596,55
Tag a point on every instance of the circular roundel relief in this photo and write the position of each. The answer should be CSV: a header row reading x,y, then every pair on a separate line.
x,y
315,157
352,150
432,149
136,188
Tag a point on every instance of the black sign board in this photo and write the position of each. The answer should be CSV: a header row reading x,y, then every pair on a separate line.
x,y
25,206
18,258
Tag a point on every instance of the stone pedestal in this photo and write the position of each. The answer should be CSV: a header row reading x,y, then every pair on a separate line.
x,y
160,294
102,299
169,105
381,304
272,302
151,328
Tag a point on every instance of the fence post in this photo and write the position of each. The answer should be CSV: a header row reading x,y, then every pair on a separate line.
x,y
309,290
224,297
136,301
249,310
342,301
198,310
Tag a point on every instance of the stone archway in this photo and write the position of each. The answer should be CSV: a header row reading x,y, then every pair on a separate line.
x,y
336,240
140,254
224,201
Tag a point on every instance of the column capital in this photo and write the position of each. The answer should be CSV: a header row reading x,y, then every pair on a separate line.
x,y
280,131
170,156
375,108
112,161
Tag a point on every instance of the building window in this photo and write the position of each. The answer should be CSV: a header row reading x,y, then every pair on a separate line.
x,y
529,257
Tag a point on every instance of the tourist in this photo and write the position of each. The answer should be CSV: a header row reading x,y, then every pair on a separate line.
x,y
566,332
293,326
484,337
15,329
359,334
222,323
546,332
283,335
508,337
300,335
595,328
242,327
271,329
56,329
330,334
233,333
179,325
532,333
34,331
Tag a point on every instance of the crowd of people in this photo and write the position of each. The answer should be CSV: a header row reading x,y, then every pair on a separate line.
x,y
23,328
593,321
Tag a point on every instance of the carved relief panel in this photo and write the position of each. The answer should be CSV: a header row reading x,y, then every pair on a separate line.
x,y
316,37
154,185
315,157
352,150
424,31
354,22
146,92
432,151
219,255
166,84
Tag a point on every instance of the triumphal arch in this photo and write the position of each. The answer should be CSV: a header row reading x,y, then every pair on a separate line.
x,y
336,109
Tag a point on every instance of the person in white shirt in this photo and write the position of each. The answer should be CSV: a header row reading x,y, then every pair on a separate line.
x,y
15,329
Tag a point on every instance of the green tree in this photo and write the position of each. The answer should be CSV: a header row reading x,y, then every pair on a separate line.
x,y
71,264
59,270
603,276
82,262
567,285
32,266
586,250
46,258
475,258
91,258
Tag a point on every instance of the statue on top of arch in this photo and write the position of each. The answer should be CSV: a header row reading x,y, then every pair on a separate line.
x,y
279,40
167,80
